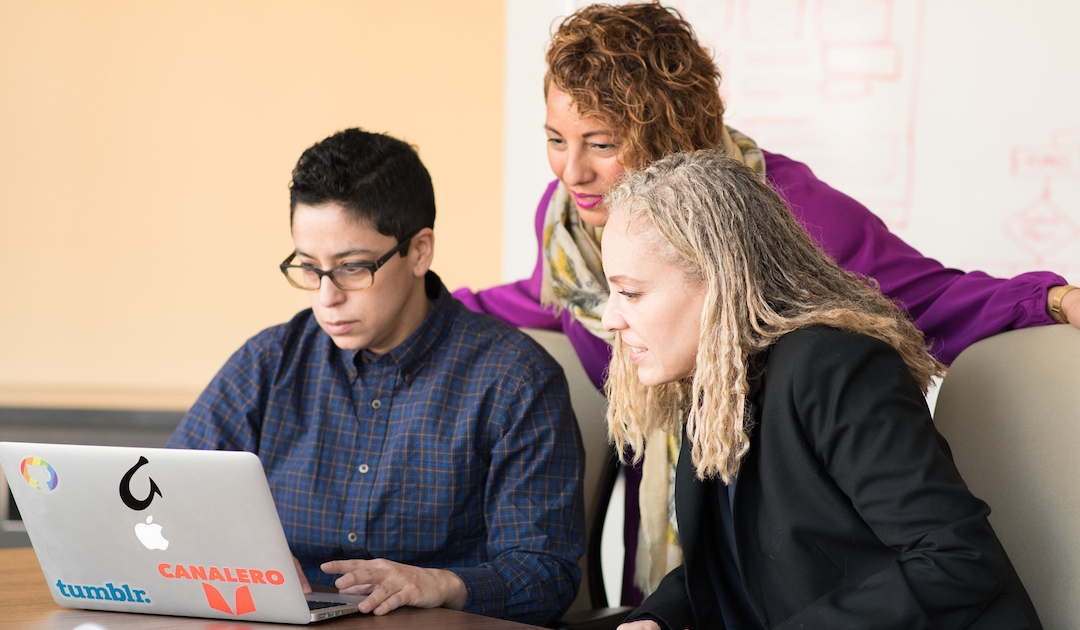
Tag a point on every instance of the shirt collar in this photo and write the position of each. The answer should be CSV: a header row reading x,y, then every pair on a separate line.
x,y
409,355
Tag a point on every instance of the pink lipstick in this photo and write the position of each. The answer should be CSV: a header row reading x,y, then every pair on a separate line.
x,y
587,202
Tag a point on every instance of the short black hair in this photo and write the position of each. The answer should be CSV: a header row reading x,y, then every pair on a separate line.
x,y
372,176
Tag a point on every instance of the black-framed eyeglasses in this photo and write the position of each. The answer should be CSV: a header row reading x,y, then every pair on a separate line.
x,y
348,277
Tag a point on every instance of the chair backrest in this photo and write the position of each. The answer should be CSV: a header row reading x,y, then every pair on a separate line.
x,y
601,467
1010,410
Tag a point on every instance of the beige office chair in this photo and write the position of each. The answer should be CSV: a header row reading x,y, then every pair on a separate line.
x,y
1010,409
590,610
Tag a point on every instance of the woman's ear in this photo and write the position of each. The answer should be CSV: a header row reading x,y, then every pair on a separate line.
x,y
422,251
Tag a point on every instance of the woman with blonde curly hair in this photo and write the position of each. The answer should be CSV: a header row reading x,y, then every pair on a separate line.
x,y
627,85
812,489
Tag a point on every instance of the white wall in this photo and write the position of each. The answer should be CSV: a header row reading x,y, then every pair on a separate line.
x,y
529,24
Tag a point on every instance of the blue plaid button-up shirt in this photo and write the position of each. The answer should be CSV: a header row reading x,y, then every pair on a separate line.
x,y
457,449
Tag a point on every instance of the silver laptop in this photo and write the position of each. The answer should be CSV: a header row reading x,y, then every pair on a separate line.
x,y
161,531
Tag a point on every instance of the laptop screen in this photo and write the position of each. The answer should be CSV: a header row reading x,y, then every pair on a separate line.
x,y
165,531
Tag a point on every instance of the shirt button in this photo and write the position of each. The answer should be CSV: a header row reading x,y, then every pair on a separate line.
x,y
363,468
375,404
352,536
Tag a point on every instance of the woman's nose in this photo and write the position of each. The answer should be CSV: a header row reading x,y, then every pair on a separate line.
x,y
577,170
612,319
329,293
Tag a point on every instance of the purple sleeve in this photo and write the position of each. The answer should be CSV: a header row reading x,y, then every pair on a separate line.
x,y
518,304
953,308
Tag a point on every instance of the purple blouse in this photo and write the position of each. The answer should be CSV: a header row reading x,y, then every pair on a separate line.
x,y
953,308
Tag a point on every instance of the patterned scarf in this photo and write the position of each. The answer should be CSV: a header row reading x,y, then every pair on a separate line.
x,y
574,280
573,273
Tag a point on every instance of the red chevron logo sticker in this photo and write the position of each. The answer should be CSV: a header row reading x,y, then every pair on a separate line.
x,y
244,604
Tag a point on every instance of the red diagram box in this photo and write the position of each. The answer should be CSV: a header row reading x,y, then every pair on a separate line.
x,y
1045,161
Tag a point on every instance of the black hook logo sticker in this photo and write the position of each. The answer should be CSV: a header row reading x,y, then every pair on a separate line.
x,y
125,488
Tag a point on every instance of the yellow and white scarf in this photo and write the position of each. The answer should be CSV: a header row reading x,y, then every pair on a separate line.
x,y
573,272
574,280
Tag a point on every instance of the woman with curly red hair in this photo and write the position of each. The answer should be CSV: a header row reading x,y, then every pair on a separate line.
x,y
630,84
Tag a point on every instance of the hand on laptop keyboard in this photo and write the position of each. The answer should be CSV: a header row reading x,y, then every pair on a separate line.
x,y
390,585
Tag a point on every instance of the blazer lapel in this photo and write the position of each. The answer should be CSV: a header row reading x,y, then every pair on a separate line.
x,y
748,490
689,499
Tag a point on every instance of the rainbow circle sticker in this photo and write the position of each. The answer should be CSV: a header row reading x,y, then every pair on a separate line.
x,y
40,474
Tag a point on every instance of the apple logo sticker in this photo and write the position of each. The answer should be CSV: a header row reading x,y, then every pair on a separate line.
x,y
149,534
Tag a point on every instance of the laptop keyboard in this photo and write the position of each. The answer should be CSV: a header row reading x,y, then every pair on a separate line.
x,y
319,605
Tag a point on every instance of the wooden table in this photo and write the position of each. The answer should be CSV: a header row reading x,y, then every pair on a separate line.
x,y
25,602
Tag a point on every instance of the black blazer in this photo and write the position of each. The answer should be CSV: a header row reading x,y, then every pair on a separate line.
x,y
848,511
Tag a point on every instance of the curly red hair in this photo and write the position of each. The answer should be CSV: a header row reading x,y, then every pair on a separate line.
x,y
639,69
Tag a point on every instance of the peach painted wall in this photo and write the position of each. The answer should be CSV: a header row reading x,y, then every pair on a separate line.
x,y
145,152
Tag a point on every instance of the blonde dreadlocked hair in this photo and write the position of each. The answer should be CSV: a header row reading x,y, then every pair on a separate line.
x,y
763,278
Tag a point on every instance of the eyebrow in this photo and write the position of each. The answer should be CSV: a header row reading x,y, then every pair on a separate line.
x,y
350,252
620,278
585,135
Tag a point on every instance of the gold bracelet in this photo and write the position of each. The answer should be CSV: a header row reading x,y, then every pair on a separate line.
x,y
1055,304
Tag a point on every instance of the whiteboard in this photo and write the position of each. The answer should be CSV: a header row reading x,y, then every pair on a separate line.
x,y
952,120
